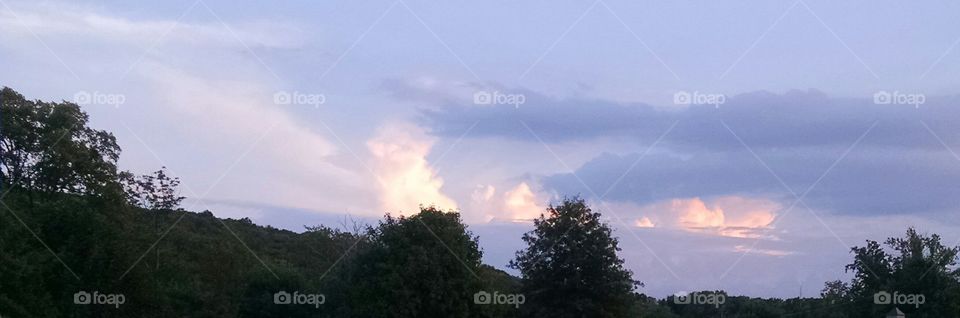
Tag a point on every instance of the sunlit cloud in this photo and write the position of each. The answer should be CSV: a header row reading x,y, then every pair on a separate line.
x,y
694,214
644,222
729,216
406,178
521,203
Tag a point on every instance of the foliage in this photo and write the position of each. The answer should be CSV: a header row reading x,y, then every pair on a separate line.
x,y
48,147
156,191
570,267
422,265
916,264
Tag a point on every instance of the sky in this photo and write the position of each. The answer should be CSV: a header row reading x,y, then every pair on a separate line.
x,y
743,146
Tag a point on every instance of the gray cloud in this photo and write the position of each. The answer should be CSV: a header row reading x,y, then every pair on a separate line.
x,y
898,167
865,182
762,119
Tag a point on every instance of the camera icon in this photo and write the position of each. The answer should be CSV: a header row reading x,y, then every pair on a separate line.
x,y
682,98
82,98
282,98
882,298
682,299
482,98
482,298
282,298
882,98
82,298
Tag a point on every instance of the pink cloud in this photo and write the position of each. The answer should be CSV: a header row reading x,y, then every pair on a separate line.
x,y
729,216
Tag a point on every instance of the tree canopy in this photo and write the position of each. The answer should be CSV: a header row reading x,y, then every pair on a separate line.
x,y
47,146
571,268
915,264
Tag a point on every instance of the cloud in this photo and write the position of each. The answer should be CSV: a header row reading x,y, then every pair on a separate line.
x,y
763,120
520,203
729,216
428,89
406,179
768,252
644,222
811,141
865,181
196,97
694,214
72,21
237,119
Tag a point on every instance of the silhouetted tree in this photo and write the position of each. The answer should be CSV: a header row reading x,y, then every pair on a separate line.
x,y
156,191
571,268
48,147
920,265
63,222
425,265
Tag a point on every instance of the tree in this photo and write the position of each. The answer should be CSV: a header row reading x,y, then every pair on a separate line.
x,y
570,267
425,265
835,292
919,265
156,192
63,224
48,147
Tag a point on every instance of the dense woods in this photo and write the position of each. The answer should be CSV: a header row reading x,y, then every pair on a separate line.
x,y
73,225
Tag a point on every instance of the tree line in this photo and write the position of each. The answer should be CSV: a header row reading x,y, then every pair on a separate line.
x,y
75,231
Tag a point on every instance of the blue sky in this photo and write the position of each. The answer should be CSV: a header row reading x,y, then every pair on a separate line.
x,y
742,146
